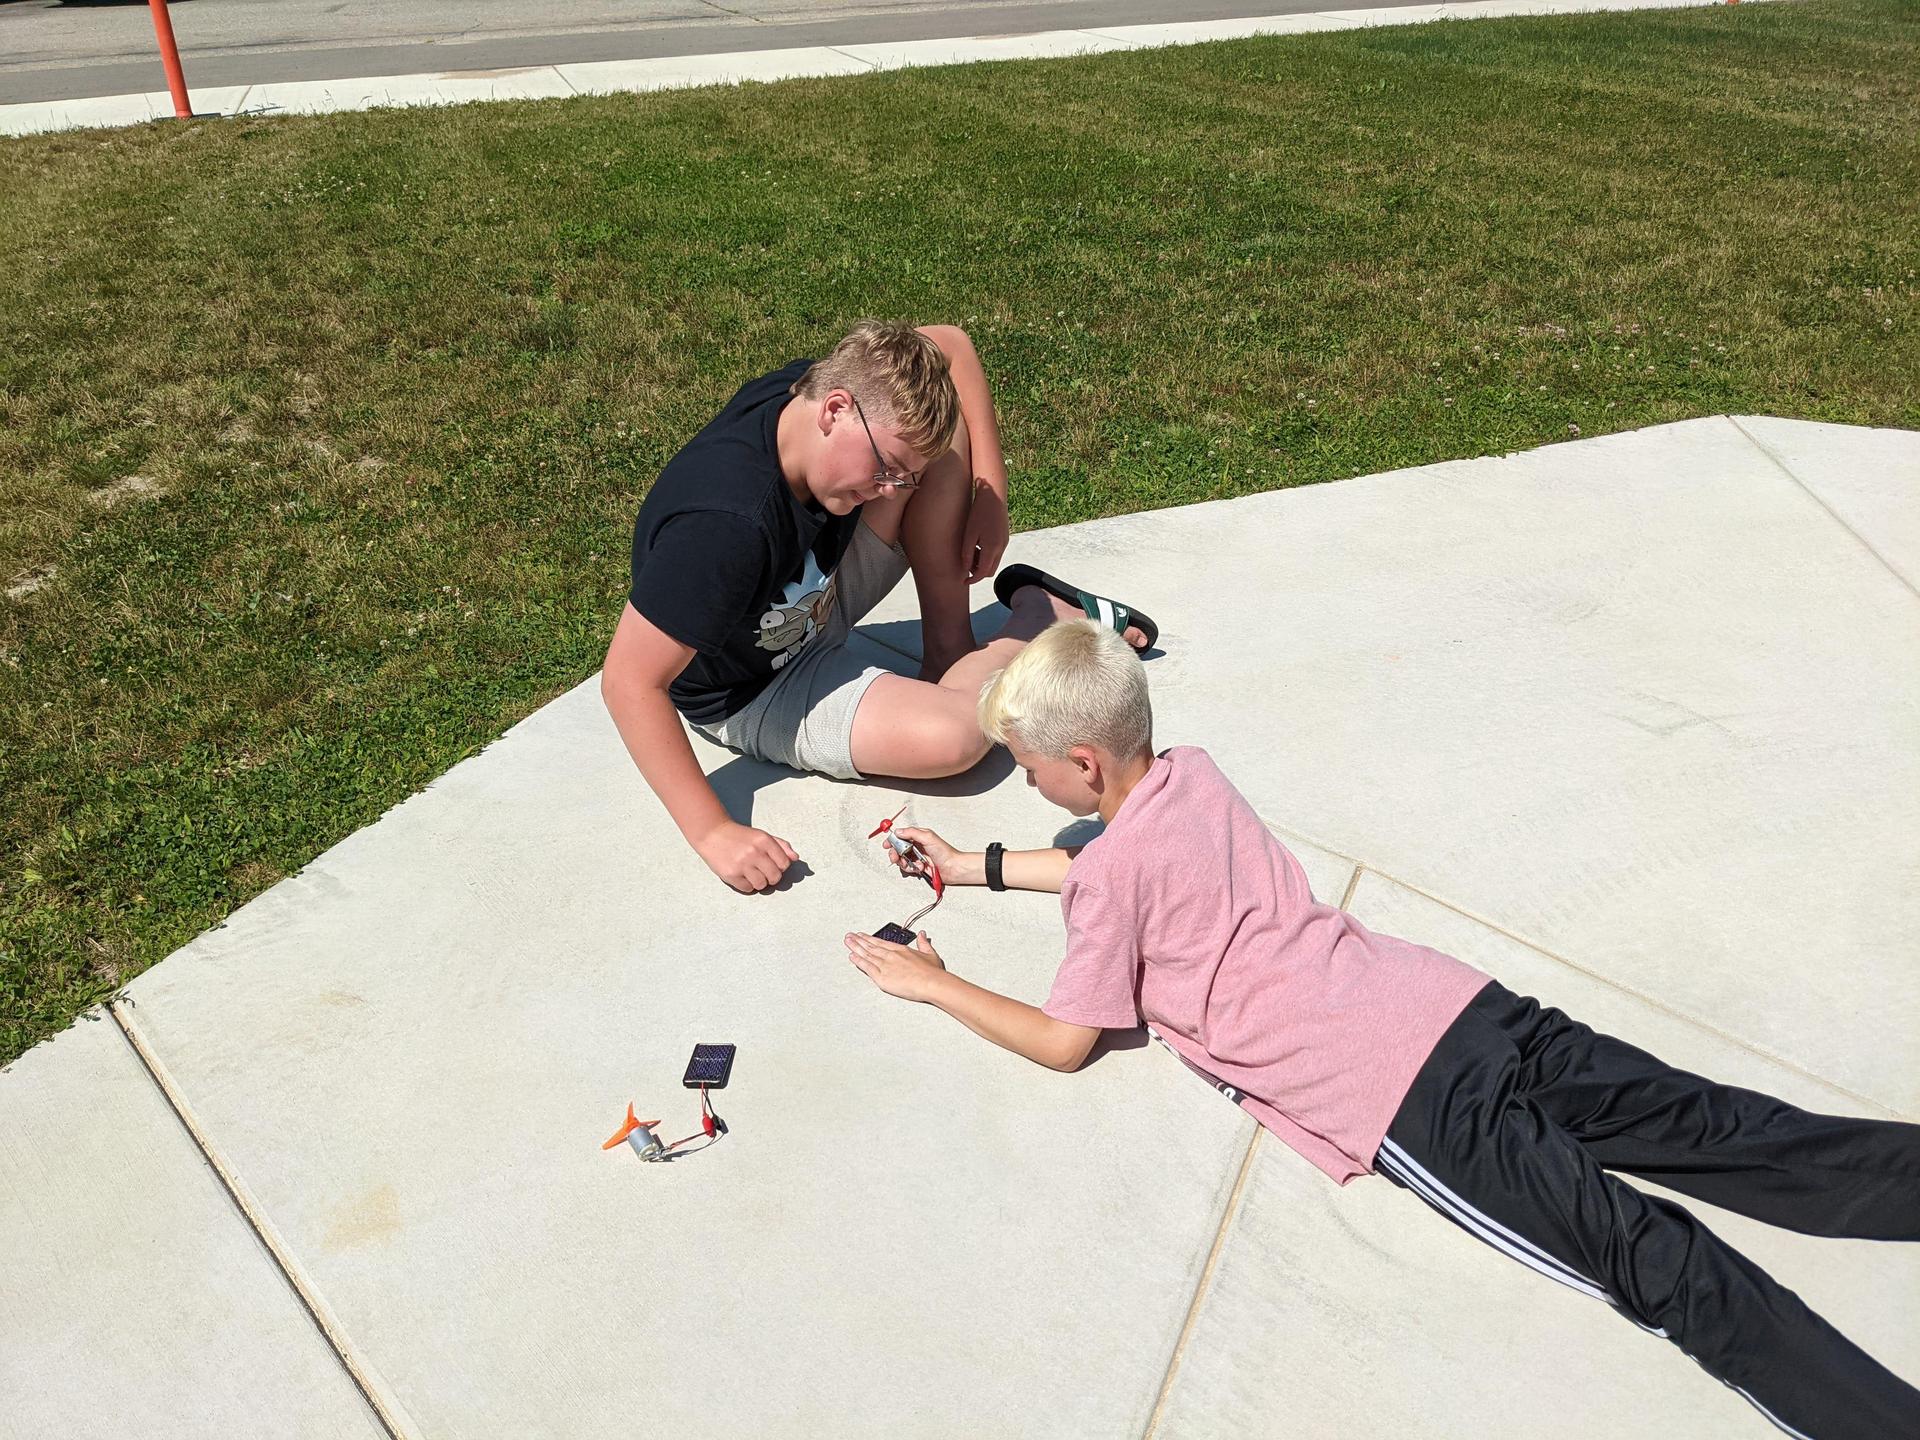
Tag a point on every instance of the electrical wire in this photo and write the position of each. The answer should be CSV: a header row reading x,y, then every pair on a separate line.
x,y
709,1125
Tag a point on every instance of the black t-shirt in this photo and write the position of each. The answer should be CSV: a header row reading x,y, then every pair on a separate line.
x,y
726,560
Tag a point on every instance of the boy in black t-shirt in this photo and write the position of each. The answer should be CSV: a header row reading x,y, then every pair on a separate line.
x,y
773,532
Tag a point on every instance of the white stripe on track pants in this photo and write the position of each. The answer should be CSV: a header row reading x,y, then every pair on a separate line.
x,y
1511,1127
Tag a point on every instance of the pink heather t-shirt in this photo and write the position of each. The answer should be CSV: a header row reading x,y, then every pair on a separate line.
x,y
1188,914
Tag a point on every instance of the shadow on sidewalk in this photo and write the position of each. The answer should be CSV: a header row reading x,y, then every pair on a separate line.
x,y
903,636
742,778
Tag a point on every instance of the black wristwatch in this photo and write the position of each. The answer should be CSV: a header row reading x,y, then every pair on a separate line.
x,y
995,852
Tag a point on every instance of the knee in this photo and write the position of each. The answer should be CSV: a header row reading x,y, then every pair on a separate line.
x,y
954,745
946,485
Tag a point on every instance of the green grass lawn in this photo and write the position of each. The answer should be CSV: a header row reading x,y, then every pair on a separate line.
x,y
320,439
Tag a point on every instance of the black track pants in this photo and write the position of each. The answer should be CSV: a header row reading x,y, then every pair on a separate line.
x,y
1518,1114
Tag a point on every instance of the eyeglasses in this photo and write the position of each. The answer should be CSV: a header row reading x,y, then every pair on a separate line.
x,y
884,475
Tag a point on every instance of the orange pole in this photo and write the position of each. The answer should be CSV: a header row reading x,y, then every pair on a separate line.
x,y
170,58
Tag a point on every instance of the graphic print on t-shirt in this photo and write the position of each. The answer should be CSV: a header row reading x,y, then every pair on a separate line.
x,y
804,607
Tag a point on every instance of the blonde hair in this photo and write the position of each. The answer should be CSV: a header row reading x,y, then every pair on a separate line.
x,y
1078,684
900,378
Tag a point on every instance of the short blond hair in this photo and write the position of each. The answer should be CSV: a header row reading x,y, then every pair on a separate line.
x,y
900,378
1077,684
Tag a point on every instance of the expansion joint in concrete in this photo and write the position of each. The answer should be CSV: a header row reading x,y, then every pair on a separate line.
x,y
315,1308
1787,470
733,14
1644,998
1361,869
1206,1284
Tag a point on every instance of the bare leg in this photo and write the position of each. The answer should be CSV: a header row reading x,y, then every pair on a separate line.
x,y
929,524
919,730
1033,611
935,523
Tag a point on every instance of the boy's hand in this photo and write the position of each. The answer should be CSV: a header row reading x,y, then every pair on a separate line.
x,y
907,972
985,540
956,867
746,858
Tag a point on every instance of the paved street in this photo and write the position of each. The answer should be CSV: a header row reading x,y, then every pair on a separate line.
x,y
55,51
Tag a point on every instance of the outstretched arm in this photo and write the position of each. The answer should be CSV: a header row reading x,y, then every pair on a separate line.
x,y
1024,1029
642,662
1043,870
917,973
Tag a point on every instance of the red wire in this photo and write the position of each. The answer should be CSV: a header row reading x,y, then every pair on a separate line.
x,y
706,1122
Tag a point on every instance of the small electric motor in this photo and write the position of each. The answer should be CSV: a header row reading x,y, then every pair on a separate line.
x,y
907,850
646,1144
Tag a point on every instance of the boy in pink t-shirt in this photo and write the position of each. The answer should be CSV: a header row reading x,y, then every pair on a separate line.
x,y
1368,1054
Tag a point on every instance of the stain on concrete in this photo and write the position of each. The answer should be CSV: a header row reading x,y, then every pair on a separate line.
x,y
374,1217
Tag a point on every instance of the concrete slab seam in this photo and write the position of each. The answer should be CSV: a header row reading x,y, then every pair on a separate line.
x,y
1645,999
1205,1284
1787,470
1287,832
735,14
868,634
386,1410
1362,867
871,66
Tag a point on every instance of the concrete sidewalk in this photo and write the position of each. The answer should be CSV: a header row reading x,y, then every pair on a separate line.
x,y
1631,723
259,84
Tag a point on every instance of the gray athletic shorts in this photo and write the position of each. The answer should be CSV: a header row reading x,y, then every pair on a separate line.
x,y
804,718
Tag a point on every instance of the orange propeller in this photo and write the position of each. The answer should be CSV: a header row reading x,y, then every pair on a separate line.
x,y
628,1128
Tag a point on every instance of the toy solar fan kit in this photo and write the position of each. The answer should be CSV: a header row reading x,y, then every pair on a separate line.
x,y
907,850
707,1070
712,1064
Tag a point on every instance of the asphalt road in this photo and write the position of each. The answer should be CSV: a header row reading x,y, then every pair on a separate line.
x,y
70,49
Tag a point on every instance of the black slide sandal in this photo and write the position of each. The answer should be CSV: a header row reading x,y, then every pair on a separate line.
x,y
1107,612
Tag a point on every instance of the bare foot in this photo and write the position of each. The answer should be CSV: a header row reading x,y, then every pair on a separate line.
x,y
1029,599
